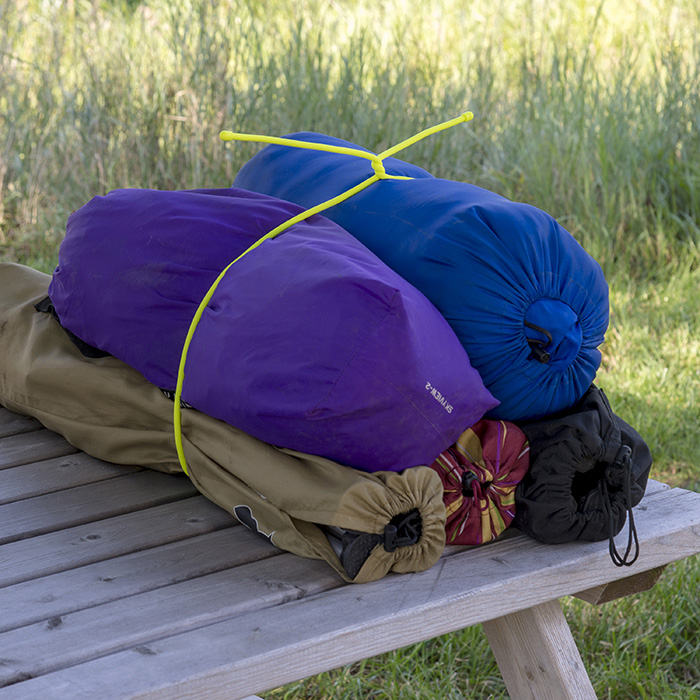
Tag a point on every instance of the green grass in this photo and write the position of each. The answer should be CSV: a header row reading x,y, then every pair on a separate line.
x,y
589,111
651,366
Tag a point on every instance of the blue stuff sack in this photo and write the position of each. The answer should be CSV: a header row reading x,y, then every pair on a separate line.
x,y
528,303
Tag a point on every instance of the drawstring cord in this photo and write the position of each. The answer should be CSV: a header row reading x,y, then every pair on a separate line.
x,y
624,460
473,488
538,346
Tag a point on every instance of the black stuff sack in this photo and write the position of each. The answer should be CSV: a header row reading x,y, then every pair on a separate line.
x,y
588,469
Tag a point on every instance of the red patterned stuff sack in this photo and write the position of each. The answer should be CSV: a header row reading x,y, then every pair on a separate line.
x,y
479,475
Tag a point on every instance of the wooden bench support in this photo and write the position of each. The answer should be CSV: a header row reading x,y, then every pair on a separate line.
x,y
637,583
537,655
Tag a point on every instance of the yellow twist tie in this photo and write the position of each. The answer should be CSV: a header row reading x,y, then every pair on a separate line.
x,y
379,174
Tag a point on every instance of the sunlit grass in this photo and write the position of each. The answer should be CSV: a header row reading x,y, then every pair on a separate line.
x,y
588,111
651,366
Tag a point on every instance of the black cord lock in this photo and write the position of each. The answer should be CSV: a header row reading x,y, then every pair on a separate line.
x,y
403,530
537,347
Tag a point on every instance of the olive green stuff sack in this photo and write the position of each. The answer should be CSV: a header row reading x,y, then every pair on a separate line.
x,y
364,525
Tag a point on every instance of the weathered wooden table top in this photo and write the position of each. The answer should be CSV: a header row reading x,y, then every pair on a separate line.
x,y
118,582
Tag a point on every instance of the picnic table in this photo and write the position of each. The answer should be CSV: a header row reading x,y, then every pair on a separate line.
x,y
119,583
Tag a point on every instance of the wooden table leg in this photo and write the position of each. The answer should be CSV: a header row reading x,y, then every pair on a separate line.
x,y
537,655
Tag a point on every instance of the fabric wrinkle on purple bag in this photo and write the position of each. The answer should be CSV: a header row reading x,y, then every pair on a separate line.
x,y
309,342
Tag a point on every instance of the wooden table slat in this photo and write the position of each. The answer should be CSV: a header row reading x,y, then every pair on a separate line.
x,y
14,424
112,537
84,504
255,651
128,575
119,583
39,478
32,447
70,639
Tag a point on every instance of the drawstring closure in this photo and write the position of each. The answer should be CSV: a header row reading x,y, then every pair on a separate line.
x,y
537,347
623,459
478,490
471,486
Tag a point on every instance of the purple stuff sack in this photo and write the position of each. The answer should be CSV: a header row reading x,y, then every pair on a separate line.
x,y
309,342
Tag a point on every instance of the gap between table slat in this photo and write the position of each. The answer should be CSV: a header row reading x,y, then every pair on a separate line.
x,y
56,595
86,544
90,503
56,474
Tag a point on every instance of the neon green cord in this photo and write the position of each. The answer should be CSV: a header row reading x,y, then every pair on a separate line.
x,y
379,174
259,138
462,118
177,411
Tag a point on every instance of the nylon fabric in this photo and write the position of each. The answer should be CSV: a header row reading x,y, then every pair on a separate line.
x,y
479,475
108,409
308,342
577,487
483,260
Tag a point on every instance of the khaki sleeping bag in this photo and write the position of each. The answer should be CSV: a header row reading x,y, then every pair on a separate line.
x,y
364,525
